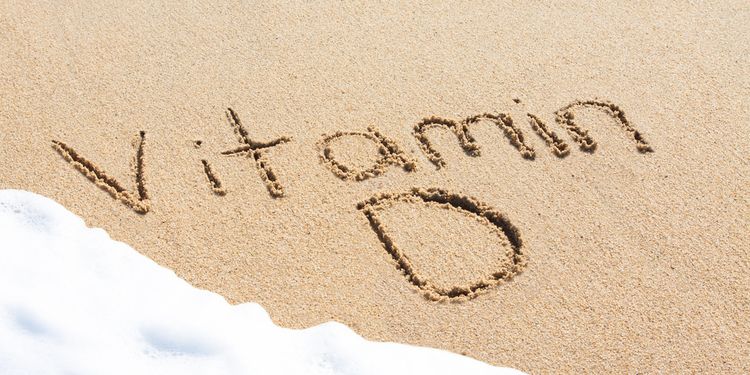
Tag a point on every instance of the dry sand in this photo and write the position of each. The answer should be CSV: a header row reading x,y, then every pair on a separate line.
x,y
626,260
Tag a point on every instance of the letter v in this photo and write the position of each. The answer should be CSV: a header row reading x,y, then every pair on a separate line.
x,y
137,200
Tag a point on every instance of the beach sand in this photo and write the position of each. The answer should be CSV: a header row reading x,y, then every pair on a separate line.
x,y
433,228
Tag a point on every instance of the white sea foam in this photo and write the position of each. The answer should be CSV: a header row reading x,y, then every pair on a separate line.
x,y
73,301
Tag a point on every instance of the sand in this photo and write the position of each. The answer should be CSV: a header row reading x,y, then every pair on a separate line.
x,y
376,164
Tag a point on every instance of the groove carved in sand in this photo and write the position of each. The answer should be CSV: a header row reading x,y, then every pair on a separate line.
x,y
258,152
461,130
388,154
136,200
213,180
557,145
495,220
465,139
565,116
512,132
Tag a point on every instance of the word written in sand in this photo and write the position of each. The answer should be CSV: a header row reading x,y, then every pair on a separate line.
x,y
389,154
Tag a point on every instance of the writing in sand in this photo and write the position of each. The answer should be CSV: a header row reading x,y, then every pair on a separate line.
x,y
390,155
